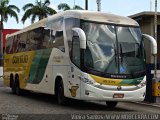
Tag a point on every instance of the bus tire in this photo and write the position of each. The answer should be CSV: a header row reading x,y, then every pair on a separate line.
x,y
17,87
60,93
12,85
111,104
11,81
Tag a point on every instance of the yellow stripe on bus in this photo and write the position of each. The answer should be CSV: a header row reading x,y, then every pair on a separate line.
x,y
106,81
18,63
109,81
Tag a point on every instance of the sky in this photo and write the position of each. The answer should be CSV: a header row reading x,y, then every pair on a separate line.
x,y
119,7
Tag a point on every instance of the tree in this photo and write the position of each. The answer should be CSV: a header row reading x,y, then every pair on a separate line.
x,y
6,11
40,10
64,7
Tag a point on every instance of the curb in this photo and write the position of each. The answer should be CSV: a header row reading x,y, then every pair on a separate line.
x,y
148,104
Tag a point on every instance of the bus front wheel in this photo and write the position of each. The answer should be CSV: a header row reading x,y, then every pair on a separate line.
x,y
60,93
111,104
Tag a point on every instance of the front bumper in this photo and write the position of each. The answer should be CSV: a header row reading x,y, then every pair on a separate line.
x,y
89,92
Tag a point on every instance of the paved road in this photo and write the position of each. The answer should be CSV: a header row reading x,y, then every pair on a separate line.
x,y
1,83
46,104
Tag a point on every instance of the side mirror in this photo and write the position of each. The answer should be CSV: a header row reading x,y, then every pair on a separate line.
x,y
153,43
82,37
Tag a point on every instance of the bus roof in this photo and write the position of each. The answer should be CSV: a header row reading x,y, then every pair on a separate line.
x,y
85,15
101,17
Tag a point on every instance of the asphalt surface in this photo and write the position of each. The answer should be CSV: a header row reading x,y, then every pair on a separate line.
x,y
1,83
35,103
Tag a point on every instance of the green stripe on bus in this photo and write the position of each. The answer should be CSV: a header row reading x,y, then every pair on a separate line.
x,y
135,81
39,65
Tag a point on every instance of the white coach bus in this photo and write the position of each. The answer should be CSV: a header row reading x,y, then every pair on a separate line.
x,y
81,55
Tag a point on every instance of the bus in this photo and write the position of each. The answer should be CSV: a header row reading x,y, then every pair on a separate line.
x,y
76,54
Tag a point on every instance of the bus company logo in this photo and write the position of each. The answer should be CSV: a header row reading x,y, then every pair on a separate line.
x,y
20,59
119,88
119,76
57,59
105,81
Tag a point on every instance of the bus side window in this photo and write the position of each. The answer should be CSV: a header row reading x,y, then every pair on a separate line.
x,y
21,42
15,46
30,42
56,35
47,39
39,38
9,44
58,41
69,24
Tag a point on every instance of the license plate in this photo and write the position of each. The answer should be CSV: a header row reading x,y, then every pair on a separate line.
x,y
118,95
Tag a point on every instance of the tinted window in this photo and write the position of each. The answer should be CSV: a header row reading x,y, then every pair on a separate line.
x,y
40,38
76,51
69,24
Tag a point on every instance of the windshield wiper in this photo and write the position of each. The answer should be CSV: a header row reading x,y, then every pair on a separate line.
x,y
121,53
115,51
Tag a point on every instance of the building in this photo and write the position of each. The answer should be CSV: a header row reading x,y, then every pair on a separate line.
x,y
5,32
147,24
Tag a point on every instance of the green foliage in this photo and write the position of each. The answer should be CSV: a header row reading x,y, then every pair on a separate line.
x,y
7,10
40,10
64,7
76,7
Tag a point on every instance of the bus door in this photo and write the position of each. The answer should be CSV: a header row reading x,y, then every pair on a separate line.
x,y
75,68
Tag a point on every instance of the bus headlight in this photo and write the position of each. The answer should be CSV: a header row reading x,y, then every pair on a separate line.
x,y
88,81
142,84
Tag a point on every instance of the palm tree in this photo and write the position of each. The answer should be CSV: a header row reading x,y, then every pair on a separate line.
x,y
40,10
64,7
6,11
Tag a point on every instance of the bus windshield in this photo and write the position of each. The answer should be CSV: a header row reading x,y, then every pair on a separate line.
x,y
113,49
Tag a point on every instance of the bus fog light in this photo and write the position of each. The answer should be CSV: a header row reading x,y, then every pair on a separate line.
x,y
86,92
144,94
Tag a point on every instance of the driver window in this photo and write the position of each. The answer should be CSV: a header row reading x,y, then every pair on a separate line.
x,y
76,51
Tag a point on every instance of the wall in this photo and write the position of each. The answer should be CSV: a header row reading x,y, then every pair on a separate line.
x,y
7,31
147,27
